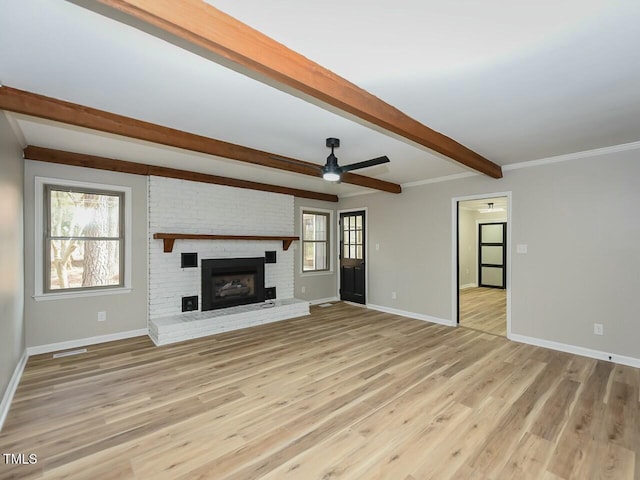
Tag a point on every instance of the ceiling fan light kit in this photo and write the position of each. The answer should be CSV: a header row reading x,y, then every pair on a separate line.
x,y
491,209
331,176
332,171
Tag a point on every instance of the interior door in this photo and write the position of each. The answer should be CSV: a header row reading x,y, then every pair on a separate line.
x,y
492,254
352,254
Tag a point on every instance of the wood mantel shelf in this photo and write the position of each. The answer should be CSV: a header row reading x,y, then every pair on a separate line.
x,y
170,238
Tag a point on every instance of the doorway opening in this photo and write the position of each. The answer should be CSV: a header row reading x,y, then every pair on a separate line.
x,y
482,263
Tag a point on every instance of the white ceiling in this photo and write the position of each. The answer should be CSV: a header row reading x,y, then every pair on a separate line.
x,y
510,80
476,205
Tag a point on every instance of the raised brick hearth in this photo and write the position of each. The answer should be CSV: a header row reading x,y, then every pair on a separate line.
x,y
177,328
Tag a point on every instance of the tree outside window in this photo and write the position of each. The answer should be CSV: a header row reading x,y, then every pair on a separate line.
x,y
315,241
84,238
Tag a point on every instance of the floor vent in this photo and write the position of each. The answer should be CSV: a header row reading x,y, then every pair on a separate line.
x,y
69,353
325,305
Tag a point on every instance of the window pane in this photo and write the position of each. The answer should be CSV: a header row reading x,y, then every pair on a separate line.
x,y
315,256
491,233
492,276
321,227
308,226
345,253
309,259
315,226
490,254
83,237
359,253
315,236
321,257
359,237
358,221
352,251
80,214
84,263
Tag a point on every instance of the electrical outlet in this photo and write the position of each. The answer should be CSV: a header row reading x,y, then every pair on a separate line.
x,y
303,289
102,316
393,296
598,329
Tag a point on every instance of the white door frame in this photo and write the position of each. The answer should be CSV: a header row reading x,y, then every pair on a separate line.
x,y
366,251
454,250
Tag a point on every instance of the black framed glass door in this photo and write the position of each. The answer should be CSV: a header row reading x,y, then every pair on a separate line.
x,y
492,255
352,254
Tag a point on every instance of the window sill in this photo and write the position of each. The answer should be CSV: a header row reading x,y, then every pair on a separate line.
x,y
315,274
41,297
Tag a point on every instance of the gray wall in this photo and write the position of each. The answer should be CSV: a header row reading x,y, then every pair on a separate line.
x,y
411,230
579,220
467,245
12,343
317,286
54,321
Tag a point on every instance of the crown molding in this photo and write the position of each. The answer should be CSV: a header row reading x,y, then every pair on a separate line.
x,y
624,147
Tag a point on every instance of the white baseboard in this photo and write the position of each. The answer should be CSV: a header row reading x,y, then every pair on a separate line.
x,y
83,342
417,316
585,352
323,300
11,388
468,285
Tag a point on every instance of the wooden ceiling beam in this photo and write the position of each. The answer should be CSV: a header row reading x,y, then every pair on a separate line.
x,y
205,27
20,101
101,163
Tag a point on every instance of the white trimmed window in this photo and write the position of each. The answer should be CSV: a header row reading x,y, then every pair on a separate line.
x,y
315,241
83,239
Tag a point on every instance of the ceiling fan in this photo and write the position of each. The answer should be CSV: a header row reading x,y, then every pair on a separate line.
x,y
331,171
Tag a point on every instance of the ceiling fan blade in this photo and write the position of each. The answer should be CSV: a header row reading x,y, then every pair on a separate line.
x,y
366,163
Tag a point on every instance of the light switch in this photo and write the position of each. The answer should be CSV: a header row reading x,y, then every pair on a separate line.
x,y
521,248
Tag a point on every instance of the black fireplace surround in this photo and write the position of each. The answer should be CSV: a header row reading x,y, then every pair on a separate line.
x,y
227,282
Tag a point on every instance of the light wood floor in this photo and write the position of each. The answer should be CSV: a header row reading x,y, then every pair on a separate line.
x,y
484,309
344,393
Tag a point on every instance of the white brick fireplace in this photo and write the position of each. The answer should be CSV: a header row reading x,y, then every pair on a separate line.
x,y
181,206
